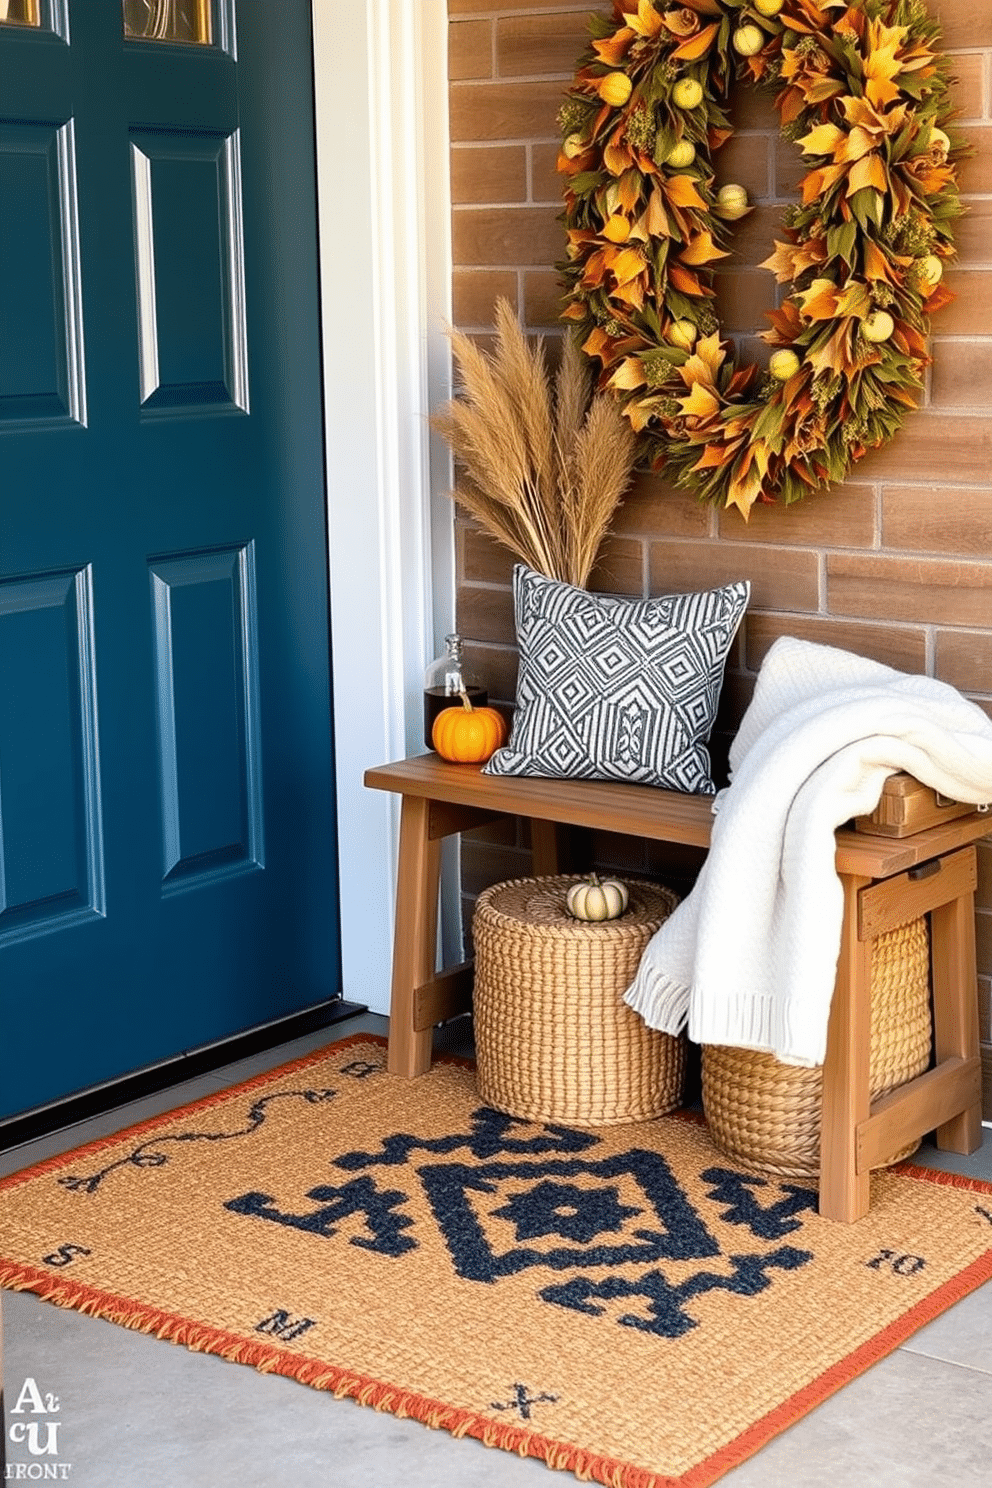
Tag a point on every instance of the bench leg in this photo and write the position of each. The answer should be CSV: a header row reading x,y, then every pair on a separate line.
x,y
955,1008
844,1192
414,938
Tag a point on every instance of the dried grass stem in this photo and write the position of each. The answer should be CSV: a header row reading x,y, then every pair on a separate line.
x,y
542,462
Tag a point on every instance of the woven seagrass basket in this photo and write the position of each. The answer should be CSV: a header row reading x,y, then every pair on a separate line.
x,y
554,1039
766,1115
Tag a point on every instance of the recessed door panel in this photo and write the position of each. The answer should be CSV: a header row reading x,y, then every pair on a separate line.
x,y
41,378
206,657
51,852
189,270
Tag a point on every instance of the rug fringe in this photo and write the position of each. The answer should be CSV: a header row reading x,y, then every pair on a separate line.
x,y
342,1383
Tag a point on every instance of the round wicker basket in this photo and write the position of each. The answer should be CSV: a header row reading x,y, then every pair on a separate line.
x,y
554,1039
766,1115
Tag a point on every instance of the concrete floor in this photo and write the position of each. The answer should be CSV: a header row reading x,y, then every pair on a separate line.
x,y
139,1412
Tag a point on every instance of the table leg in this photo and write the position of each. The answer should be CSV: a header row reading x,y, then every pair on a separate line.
x,y
955,1008
415,937
844,1192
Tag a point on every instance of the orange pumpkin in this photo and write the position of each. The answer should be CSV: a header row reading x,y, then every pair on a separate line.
x,y
468,735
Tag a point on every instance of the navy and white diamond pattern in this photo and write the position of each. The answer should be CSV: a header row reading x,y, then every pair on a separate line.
x,y
616,689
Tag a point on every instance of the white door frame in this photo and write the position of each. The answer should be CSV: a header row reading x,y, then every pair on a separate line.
x,y
383,213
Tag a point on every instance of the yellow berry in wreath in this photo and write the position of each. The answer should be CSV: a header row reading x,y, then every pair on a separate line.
x,y
615,88
574,145
767,7
616,229
682,333
731,202
748,40
681,154
783,365
931,270
878,326
687,93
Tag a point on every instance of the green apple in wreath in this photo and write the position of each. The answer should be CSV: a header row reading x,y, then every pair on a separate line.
x,y
597,899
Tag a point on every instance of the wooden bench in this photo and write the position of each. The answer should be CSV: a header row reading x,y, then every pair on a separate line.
x,y
886,882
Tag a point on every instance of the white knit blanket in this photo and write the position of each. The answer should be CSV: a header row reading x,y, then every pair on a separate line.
x,y
750,955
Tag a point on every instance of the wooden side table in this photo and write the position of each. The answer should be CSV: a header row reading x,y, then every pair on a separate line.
x,y
886,882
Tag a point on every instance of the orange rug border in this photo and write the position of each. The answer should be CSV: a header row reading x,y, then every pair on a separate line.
x,y
382,1396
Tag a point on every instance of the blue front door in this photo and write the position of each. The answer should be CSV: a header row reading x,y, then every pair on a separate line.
x,y
167,844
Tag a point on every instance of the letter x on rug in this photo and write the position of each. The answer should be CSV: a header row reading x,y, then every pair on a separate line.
x,y
622,1303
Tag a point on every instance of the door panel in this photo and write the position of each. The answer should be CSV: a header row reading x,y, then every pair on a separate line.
x,y
206,664
167,843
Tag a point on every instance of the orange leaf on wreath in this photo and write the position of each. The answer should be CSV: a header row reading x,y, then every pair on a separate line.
x,y
656,218
617,159
685,281
682,191
939,297
876,262
696,46
702,250
868,171
613,49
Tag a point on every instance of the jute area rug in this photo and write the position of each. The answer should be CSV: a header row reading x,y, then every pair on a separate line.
x,y
622,1303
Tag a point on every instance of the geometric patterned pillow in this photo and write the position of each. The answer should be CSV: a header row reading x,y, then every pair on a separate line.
x,y
617,689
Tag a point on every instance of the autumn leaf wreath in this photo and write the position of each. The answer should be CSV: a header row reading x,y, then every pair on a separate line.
x,y
863,92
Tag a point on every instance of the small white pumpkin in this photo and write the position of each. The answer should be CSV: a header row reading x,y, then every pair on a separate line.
x,y
595,899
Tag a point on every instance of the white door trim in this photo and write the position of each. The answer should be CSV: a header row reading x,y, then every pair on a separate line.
x,y
383,214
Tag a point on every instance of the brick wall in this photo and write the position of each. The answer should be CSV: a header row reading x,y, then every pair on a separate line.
x,y
896,564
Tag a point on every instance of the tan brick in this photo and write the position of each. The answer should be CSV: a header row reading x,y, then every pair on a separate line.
x,y
545,182
745,159
899,646
754,236
975,172
933,592
971,312
964,658
474,292
483,560
742,299
962,374
470,50
781,579
485,614
934,447
968,86
496,668
504,111
655,508
790,168
534,46
488,173
843,517
505,236
751,108
543,298
973,235
964,23
938,519
619,567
